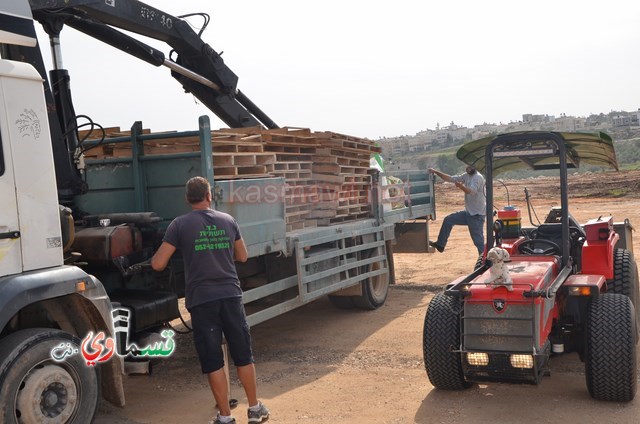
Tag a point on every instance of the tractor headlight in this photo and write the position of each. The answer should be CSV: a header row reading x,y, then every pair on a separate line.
x,y
478,359
521,361
579,291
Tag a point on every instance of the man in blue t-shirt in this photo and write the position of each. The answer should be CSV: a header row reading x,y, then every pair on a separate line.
x,y
475,208
210,242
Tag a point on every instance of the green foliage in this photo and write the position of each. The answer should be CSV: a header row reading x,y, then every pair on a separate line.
x,y
449,164
628,151
619,192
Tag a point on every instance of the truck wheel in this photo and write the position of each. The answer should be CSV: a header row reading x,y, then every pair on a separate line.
x,y
37,389
440,337
610,361
374,289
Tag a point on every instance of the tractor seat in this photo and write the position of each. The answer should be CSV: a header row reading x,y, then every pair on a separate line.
x,y
552,232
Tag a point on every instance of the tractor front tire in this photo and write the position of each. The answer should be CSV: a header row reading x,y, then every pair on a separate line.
x,y
610,360
440,340
36,389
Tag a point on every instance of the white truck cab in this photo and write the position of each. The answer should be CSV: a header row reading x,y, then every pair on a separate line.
x,y
43,303
30,235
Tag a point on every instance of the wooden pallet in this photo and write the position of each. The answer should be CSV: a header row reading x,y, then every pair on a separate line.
x,y
244,159
325,174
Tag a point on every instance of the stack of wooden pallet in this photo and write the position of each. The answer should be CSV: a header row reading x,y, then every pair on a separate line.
x,y
294,149
325,174
340,168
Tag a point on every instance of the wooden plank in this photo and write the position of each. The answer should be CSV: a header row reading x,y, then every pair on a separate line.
x,y
295,226
325,159
237,177
322,213
239,147
244,160
344,153
334,204
326,168
328,178
219,161
327,196
310,223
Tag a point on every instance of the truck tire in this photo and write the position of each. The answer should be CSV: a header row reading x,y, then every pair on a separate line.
x,y
374,289
440,338
610,354
36,389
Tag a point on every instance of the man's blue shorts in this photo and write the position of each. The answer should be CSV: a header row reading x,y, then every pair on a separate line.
x,y
213,319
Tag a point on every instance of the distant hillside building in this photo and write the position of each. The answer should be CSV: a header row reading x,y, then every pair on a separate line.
x,y
569,123
621,121
529,118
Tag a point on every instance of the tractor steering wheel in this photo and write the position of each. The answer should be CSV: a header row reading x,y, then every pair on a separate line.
x,y
528,247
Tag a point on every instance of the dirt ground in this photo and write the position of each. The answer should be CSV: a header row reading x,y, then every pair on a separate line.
x,y
319,364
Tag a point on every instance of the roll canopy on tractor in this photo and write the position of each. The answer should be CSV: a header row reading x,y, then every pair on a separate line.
x,y
561,287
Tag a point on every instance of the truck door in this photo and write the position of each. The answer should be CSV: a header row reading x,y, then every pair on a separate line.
x,y
10,258
28,191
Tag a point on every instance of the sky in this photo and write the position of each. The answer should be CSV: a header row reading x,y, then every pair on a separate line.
x,y
378,68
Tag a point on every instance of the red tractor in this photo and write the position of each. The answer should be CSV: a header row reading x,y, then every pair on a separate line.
x,y
564,287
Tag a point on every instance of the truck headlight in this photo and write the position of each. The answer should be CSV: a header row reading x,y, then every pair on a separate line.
x,y
521,361
479,359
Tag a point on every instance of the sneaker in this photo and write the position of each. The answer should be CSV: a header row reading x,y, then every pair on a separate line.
x,y
436,246
218,421
259,416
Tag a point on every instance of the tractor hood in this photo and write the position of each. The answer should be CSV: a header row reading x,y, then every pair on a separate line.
x,y
589,148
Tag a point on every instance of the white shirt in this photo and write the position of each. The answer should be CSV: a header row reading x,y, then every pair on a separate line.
x,y
474,202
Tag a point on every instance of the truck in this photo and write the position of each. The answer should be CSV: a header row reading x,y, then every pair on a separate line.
x,y
77,232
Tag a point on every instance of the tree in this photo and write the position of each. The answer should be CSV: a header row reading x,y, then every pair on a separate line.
x,y
448,164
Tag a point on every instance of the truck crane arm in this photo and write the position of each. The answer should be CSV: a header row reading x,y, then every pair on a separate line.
x,y
198,67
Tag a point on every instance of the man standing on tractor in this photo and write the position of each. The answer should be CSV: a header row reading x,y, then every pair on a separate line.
x,y
473,215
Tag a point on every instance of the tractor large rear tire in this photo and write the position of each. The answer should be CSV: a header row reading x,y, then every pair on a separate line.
x,y
625,275
625,280
610,361
440,340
